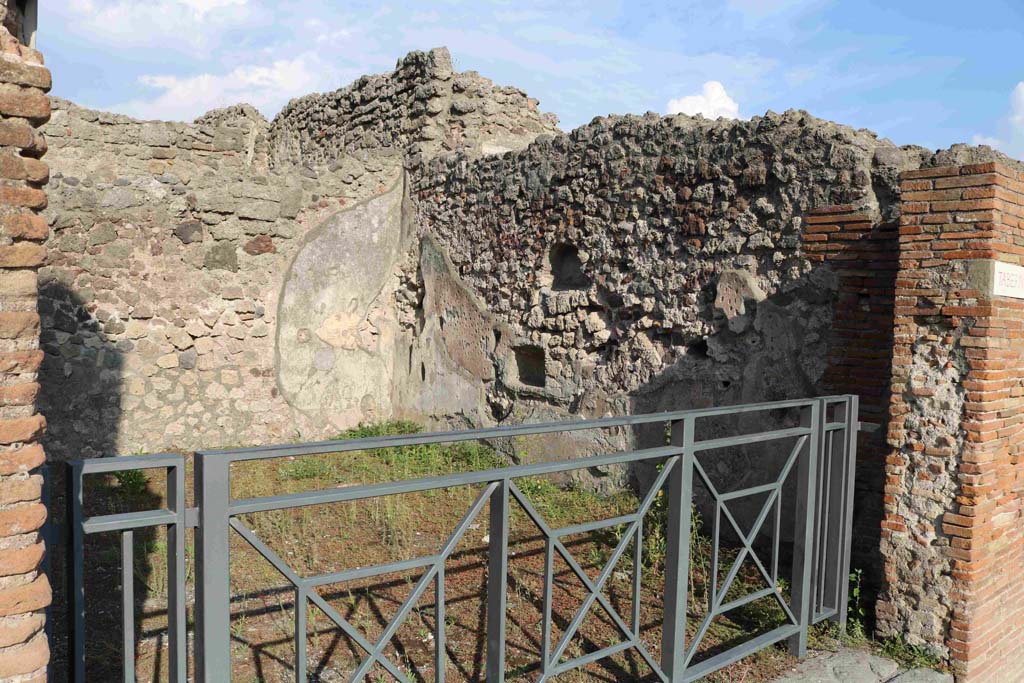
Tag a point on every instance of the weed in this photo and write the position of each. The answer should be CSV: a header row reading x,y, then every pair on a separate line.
x,y
131,483
910,656
307,468
857,612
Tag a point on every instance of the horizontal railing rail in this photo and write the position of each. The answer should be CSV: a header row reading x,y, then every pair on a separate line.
x,y
819,468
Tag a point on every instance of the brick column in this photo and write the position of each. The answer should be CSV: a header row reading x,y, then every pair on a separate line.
x,y
862,253
953,537
24,589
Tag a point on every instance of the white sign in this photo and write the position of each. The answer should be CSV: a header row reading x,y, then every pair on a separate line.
x,y
1008,280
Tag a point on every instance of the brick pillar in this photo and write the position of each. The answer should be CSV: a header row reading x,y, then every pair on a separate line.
x,y
24,589
953,536
862,253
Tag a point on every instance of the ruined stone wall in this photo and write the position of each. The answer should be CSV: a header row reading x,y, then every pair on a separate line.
x,y
24,588
159,297
648,262
423,108
172,242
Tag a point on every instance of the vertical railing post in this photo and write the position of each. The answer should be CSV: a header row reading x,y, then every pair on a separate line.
x,y
76,578
677,559
804,531
497,583
301,613
850,415
176,620
213,583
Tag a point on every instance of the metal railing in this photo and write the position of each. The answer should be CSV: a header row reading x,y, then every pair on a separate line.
x,y
821,464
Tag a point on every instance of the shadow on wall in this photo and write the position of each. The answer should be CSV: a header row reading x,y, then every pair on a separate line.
x,y
80,395
779,348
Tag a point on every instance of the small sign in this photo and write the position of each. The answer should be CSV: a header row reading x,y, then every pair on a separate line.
x,y
1008,280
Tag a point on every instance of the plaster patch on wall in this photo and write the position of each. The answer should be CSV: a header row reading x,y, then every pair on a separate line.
x,y
339,287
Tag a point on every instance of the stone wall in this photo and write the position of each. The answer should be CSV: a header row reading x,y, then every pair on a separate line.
x,y
24,589
171,244
423,108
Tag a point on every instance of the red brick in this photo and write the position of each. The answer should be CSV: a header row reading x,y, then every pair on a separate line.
x,y
25,659
19,394
24,459
25,226
12,71
21,519
25,598
15,133
15,631
18,324
28,104
22,429
21,361
21,560
27,197
22,255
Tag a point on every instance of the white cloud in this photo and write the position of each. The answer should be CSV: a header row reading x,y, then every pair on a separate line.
x,y
1017,107
713,101
191,24
266,87
1011,129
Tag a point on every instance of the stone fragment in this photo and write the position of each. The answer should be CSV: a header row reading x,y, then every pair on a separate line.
x,y
261,244
189,232
221,256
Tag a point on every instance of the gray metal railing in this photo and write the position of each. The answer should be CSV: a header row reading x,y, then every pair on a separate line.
x,y
822,459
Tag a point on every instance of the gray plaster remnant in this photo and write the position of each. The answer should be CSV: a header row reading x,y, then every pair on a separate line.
x,y
337,287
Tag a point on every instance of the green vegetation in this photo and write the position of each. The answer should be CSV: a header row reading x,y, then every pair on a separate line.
x,y
910,656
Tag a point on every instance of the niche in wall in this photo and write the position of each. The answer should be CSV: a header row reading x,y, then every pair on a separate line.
x,y
530,365
566,268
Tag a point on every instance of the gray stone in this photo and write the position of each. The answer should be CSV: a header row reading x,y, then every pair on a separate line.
x,y
221,256
189,232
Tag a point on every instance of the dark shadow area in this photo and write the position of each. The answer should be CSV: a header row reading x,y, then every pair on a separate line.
x,y
80,395
778,355
567,268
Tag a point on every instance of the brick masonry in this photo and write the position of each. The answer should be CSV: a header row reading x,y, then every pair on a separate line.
x,y
862,251
951,537
24,589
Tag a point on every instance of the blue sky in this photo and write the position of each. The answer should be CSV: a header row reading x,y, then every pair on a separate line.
x,y
928,72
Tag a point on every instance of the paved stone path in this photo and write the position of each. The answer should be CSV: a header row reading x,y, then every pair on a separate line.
x,y
857,666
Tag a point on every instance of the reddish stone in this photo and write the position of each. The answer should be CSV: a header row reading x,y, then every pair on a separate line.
x,y
261,244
